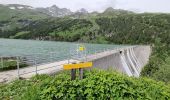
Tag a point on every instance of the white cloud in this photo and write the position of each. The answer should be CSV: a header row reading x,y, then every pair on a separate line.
x,y
74,5
145,5
99,5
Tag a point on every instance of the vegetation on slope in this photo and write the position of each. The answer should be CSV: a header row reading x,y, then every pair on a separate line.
x,y
10,64
118,27
52,29
97,84
152,29
8,14
13,19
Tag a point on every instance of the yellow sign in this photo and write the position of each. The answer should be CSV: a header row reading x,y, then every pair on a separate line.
x,y
79,65
81,48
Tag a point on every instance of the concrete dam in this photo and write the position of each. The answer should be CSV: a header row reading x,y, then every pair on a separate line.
x,y
128,60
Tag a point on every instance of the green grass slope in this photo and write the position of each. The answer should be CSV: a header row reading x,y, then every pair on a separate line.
x,y
151,29
112,26
13,19
8,14
61,29
97,85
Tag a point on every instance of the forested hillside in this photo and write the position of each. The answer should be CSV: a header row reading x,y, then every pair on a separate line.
x,y
151,29
51,29
13,19
112,26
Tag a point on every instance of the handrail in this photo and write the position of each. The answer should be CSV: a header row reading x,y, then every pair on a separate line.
x,y
37,59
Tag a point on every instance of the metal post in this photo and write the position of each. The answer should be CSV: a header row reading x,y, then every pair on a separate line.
x,y
68,61
35,66
51,56
80,69
73,74
69,58
80,73
85,55
95,53
18,67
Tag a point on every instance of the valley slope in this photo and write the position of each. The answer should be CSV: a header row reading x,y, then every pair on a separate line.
x,y
113,26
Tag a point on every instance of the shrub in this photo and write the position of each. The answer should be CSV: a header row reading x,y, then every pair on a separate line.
x,y
102,85
97,84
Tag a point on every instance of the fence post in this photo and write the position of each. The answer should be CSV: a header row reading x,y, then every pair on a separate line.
x,y
51,58
35,66
68,60
69,57
73,74
18,67
80,73
86,55
2,64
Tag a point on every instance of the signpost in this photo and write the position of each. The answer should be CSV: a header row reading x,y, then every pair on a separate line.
x,y
81,56
78,65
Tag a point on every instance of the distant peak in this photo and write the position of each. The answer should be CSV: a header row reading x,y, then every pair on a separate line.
x,y
109,9
54,6
82,10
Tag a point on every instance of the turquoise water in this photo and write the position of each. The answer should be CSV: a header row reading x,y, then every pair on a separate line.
x,y
13,47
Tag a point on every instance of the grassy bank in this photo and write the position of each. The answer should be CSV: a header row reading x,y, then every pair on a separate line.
x,y
10,64
97,84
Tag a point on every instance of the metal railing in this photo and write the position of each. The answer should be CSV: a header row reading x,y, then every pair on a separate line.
x,y
34,60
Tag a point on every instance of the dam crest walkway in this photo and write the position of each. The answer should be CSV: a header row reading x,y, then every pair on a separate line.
x,y
129,60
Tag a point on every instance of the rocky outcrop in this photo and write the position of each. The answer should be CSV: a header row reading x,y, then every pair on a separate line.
x,y
55,11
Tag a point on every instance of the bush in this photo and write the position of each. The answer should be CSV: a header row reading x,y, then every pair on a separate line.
x,y
97,84
164,73
102,85
22,89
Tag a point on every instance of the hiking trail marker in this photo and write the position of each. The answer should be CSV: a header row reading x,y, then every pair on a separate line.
x,y
78,65
79,54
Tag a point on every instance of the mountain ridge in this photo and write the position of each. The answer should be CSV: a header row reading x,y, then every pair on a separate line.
x,y
55,11
112,26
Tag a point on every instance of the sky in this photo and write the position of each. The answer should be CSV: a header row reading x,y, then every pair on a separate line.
x,y
99,5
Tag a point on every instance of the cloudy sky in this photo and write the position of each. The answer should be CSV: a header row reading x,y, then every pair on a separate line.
x,y
99,5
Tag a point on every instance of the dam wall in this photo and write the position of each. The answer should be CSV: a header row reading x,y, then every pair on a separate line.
x,y
128,60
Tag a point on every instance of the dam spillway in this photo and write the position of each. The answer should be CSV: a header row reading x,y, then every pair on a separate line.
x,y
129,60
